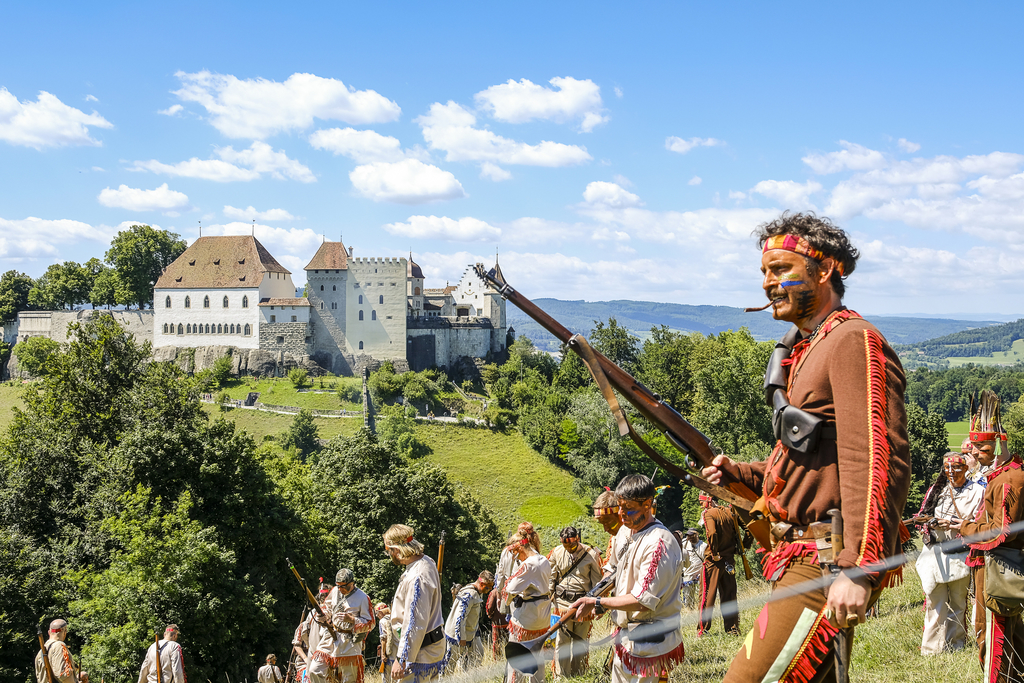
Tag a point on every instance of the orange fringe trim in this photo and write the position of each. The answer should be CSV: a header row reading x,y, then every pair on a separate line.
x,y
812,653
872,547
649,666
523,634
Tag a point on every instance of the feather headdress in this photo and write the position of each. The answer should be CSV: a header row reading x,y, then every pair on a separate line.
x,y
986,424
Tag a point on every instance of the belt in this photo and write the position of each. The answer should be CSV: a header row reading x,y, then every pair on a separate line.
x,y
519,600
817,533
433,636
568,596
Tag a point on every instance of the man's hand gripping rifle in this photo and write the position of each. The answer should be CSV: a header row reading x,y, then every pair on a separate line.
x,y
680,433
312,600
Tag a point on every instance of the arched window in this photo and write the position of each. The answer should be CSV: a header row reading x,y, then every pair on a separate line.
x,y
165,328
381,298
167,302
360,346
232,329
188,302
321,288
220,330
334,288
360,315
248,331
207,329
245,302
180,331
373,315
416,291
225,302
188,328
206,302
360,298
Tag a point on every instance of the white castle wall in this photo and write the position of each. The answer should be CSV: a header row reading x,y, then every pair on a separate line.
x,y
195,315
54,324
382,328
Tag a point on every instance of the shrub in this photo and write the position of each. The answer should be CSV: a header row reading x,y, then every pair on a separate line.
x,y
298,377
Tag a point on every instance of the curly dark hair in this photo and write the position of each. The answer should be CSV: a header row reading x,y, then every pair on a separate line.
x,y
823,235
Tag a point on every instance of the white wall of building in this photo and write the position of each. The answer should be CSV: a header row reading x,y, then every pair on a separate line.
x,y
382,328
236,314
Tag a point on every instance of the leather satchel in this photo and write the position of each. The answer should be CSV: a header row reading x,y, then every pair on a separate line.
x,y
1004,581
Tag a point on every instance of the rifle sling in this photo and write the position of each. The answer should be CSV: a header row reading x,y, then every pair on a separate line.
x,y
571,567
625,427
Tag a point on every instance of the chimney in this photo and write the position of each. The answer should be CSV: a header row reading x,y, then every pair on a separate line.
x,y
350,252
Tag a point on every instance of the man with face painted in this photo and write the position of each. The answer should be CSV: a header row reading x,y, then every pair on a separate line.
x,y
575,569
999,632
945,576
351,614
648,640
837,389
606,512
718,572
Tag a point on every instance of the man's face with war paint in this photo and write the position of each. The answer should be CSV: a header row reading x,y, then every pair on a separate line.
x,y
608,518
796,296
635,514
571,543
984,452
957,472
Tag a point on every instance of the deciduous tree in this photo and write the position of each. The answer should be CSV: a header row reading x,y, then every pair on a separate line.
x,y
139,255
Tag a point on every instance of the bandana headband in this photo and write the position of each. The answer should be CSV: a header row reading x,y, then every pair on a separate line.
x,y
956,459
799,245
601,512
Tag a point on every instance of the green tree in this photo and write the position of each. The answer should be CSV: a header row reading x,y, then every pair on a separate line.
x,y
63,286
617,343
34,354
14,291
139,255
104,284
929,440
304,434
222,370
298,377
664,366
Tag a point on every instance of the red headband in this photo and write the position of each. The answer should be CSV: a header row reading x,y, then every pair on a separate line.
x,y
799,245
409,540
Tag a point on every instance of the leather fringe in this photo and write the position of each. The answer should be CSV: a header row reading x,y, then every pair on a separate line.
x,y
813,652
872,548
649,666
521,634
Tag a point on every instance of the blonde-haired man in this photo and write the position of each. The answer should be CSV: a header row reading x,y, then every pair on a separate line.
x,y
416,610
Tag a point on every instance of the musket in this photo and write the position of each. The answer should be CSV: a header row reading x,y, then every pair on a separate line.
x,y
46,654
919,519
739,541
156,649
440,554
609,376
312,600
842,639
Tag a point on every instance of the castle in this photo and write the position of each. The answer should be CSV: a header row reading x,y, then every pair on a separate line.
x,y
356,312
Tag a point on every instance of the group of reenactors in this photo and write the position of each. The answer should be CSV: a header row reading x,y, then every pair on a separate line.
x,y
831,493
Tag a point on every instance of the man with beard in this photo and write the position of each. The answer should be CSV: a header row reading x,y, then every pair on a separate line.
x,y
945,576
648,640
997,626
575,569
351,615
416,609
606,512
718,573
837,388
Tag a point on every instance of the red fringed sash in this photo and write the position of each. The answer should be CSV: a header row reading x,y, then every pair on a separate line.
x,y
649,666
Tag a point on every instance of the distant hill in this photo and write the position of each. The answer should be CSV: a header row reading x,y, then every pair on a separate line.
x,y
970,343
640,316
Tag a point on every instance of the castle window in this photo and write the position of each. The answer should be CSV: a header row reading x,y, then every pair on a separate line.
x,y
334,288
207,329
382,298
416,291
321,288
206,302
232,329
334,305
225,302
321,305
360,346
165,328
360,298
245,302
273,318
373,315
248,331
188,329
360,315
220,329
180,331
188,302
295,319
280,340
167,302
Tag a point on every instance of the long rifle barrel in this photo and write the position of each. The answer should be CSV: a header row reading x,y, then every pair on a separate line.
x,y
312,600
46,654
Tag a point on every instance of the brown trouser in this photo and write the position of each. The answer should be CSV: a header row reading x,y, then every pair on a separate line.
x,y
1004,635
791,637
715,579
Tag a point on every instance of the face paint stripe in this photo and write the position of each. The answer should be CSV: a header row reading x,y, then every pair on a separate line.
x,y
791,283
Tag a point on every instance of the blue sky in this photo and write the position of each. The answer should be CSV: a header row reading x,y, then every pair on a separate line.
x,y
605,150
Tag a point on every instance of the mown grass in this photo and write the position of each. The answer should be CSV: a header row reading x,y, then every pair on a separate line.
x,y
1013,355
10,398
281,392
957,433
510,479
259,423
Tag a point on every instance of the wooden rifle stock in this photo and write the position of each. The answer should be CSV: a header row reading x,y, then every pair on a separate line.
x,y
680,433
46,654
312,600
743,553
156,652
440,554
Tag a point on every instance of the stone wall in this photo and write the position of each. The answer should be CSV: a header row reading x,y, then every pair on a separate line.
x,y
54,324
293,338
452,339
243,361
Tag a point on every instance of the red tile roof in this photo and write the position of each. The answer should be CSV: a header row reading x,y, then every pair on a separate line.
x,y
330,256
221,262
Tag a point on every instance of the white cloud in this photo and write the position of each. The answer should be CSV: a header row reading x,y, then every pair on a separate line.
x,y
610,195
618,92
99,169
251,213
405,182
444,228
907,145
494,172
293,247
240,165
132,199
677,144
47,122
733,194
789,193
364,146
522,101
91,98
695,180
853,157
532,230
32,238
258,108
450,128
622,180
172,110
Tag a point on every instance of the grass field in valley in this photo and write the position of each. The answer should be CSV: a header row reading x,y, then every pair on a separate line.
x,y
1014,355
957,433
10,398
280,391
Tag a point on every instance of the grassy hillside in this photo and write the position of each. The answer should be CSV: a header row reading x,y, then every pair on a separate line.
x,y
10,397
512,480
259,423
957,433
282,392
1015,354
